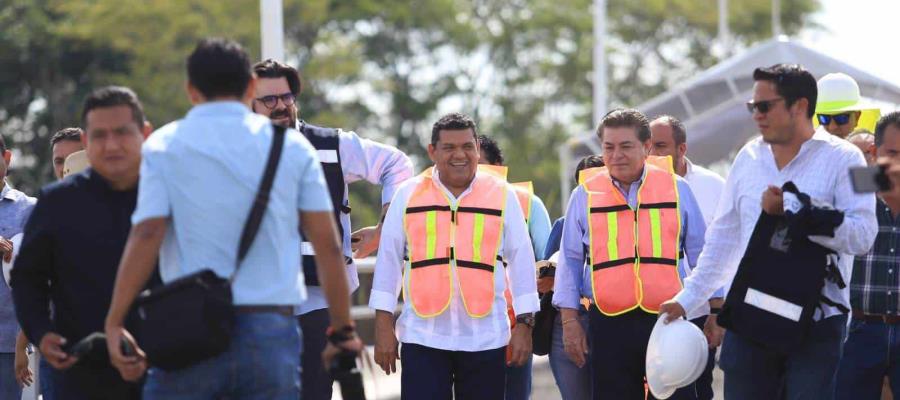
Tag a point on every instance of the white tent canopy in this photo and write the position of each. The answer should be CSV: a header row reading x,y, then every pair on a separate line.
x,y
711,105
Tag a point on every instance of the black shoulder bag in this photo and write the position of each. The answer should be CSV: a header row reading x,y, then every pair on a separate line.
x,y
191,318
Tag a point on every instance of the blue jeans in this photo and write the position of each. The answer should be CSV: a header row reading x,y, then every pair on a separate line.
x,y
755,372
9,388
518,381
872,352
261,363
45,374
574,383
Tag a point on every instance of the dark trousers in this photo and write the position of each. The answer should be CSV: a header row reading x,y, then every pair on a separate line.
x,y
618,353
315,382
434,374
872,351
701,389
756,372
82,383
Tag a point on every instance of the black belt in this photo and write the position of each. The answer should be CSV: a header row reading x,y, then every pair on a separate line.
x,y
878,318
287,311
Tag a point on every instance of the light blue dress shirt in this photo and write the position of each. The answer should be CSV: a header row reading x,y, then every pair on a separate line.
x,y
15,207
573,278
538,226
202,173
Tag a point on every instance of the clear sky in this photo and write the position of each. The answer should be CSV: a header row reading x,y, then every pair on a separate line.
x,y
859,32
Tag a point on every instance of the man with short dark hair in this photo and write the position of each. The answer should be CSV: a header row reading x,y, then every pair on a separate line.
x,y
345,157
789,150
15,207
872,350
199,178
62,144
518,378
69,259
454,238
639,194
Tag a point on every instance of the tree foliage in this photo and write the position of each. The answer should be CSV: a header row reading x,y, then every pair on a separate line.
x,y
385,68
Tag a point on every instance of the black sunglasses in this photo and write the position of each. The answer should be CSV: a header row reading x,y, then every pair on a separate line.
x,y
272,100
840,119
763,106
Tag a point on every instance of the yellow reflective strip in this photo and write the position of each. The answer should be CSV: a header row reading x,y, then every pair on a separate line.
x,y
477,237
655,232
431,232
612,244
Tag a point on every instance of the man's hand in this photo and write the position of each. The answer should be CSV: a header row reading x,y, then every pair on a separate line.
x,y
51,349
386,344
520,345
574,340
773,201
331,351
545,284
714,333
6,248
24,375
131,367
672,309
364,242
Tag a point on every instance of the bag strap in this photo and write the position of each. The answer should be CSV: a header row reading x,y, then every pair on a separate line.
x,y
254,219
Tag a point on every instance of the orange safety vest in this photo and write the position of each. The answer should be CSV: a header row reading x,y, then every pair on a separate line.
x,y
438,234
634,253
523,190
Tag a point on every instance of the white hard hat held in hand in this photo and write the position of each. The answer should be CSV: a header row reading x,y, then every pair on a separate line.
x,y
677,353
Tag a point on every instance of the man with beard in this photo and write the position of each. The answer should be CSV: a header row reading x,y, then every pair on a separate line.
x,y
345,158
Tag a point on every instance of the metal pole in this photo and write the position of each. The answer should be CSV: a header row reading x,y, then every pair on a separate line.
x,y
271,27
724,34
599,61
776,18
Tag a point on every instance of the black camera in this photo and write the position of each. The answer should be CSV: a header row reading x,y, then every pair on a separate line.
x,y
346,372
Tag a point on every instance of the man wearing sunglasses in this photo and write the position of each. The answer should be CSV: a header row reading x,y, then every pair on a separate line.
x,y
345,158
840,109
790,150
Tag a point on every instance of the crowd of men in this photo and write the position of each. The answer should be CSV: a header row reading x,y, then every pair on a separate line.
x,y
645,233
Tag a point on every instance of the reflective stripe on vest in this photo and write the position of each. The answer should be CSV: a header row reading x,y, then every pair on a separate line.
x,y
437,235
634,254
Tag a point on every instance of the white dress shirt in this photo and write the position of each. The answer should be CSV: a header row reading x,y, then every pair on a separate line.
x,y
361,159
820,169
707,188
454,329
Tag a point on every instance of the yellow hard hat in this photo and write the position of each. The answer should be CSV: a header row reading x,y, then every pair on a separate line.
x,y
838,94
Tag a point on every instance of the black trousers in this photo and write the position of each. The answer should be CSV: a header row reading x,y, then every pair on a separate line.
x,y
618,357
315,382
434,374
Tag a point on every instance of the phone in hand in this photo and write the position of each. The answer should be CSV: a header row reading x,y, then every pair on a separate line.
x,y
87,345
869,179
126,347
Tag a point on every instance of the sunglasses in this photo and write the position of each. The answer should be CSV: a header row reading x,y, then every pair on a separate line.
x,y
840,119
762,106
272,100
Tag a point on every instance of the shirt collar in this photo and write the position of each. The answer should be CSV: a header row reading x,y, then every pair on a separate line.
x,y
8,193
435,176
217,108
637,182
689,166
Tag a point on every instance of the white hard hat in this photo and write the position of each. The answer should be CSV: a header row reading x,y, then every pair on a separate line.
x,y
676,356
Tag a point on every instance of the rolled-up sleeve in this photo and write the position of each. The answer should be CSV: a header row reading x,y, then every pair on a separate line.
x,y
377,163
153,195
389,265
570,268
520,258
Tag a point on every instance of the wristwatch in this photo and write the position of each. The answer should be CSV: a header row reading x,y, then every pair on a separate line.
x,y
525,319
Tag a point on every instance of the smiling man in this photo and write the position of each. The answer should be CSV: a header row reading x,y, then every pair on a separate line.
x,y
444,236
70,258
632,223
